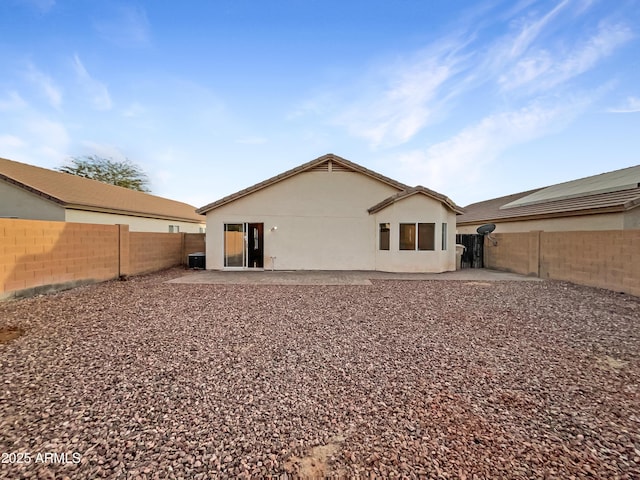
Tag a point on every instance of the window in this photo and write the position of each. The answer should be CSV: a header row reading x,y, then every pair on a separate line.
x,y
407,236
444,236
385,234
174,228
425,233
426,236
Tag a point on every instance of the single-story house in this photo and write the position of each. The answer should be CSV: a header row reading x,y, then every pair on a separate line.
x,y
332,214
608,201
36,193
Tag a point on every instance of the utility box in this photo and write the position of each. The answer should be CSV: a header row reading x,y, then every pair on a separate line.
x,y
197,260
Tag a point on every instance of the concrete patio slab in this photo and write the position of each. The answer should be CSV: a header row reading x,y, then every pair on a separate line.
x,y
303,277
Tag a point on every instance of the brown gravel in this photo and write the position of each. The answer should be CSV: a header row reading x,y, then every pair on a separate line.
x,y
430,379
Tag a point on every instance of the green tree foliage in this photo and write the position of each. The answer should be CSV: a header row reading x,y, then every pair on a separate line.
x,y
123,174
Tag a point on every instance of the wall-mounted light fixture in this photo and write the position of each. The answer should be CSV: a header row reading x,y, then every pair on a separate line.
x,y
273,229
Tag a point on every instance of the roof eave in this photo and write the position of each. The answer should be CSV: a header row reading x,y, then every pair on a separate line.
x,y
542,216
294,171
31,189
131,213
412,191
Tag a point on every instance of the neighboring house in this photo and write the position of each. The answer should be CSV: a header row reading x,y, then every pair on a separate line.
x,y
37,193
608,201
332,214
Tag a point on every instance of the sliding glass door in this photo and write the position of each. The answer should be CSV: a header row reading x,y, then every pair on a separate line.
x,y
243,245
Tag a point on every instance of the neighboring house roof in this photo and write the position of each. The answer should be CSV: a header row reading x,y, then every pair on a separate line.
x,y
616,191
74,192
419,190
331,162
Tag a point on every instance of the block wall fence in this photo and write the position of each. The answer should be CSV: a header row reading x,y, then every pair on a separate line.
x,y
39,256
605,259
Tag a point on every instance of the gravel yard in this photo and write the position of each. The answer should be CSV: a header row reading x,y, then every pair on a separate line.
x,y
398,379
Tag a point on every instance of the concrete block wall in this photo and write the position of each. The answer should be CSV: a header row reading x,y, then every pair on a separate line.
x,y
193,243
150,252
41,256
606,259
511,253
39,253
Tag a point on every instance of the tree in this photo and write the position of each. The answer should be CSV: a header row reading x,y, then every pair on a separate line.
x,y
123,173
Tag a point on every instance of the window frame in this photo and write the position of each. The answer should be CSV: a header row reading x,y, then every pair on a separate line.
x,y
444,233
408,243
430,239
384,228
413,239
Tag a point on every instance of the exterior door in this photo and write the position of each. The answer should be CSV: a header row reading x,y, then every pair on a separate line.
x,y
255,247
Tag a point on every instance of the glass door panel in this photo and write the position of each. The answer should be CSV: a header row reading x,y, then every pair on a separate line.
x,y
234,244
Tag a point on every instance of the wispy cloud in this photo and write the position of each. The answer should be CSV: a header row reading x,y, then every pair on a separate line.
x,y
632,105
532,29
401,100
45,85
480,144
97,91
544,69
13,101
126,26
392,105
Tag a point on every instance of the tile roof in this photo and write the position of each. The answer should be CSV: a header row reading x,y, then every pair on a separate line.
x,y
623,179
343,164
71,191
611,192
416,190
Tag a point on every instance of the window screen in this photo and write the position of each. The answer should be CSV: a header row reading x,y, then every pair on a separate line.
x,y
426,236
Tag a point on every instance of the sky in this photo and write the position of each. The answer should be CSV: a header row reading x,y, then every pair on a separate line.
x,y
473,99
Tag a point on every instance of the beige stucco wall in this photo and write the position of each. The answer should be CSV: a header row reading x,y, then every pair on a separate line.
x,y
607,221
322,223
632,219
417,209
136,224
17,202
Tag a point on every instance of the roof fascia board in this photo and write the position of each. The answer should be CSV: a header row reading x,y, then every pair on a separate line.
x,y
543,216
410,192
295,171
90,208
32,190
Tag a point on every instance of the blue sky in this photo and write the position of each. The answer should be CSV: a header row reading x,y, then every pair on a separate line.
x,y
474,99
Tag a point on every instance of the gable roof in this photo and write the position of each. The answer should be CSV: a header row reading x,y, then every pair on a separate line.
x,y
328,162
616,191
74,192
413,191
